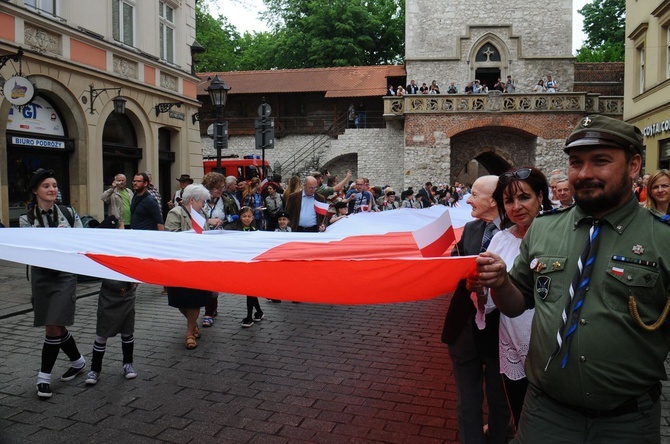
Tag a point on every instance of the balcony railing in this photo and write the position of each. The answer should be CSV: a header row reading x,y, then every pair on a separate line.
x,y
397,107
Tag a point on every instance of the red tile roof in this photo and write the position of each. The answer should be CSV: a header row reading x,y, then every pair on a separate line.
x,y
350,81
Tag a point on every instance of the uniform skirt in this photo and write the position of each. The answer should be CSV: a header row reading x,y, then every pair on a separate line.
x,y
116,308
180,297
54,294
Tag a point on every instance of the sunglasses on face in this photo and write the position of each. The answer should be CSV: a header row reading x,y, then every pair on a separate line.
x,y
521,174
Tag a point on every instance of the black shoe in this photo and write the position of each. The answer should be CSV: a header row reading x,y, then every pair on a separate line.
x,y
44,390
258,317
247,322
72,373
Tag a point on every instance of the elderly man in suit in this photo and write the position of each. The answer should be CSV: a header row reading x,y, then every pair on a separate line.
x,y
474,352
300,206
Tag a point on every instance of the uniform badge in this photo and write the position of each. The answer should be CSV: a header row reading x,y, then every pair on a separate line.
x,y
533,264
542,286
586,122
555,266
541,266
638,249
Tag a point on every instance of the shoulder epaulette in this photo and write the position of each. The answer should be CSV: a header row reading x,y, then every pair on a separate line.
x,y
554,211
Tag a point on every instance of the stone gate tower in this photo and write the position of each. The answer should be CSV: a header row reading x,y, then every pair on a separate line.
x,y
463,40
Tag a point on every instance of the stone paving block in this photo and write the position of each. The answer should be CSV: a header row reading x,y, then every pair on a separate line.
x,y
175,436
337,417
170,421
200,427
296,434
317,424
235,435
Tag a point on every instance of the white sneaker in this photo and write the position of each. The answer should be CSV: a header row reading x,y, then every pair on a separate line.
x,y
129,372
92,378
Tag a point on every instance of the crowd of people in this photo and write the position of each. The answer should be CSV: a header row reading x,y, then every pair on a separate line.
x,y
561,338
476,86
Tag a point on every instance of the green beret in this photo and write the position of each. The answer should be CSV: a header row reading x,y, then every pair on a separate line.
x,y
599,130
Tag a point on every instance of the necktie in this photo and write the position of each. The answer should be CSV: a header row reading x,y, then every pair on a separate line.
x,y
48,214
578,289
489,232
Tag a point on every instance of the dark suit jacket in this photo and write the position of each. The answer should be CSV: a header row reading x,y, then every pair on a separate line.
x,y
292,207
461,308
427,199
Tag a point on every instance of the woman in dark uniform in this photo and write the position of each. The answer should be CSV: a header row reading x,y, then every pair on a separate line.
x,y
53,292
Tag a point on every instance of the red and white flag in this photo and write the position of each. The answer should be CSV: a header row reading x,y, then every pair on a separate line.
x,y
197,221
434,239
321,207
379,247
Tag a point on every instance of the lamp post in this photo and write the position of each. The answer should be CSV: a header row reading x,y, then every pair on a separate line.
x,y
218,94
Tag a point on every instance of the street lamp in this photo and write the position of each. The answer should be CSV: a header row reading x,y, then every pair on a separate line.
x,y
218,94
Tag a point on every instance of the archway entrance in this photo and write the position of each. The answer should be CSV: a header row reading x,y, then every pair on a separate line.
x,y
490,150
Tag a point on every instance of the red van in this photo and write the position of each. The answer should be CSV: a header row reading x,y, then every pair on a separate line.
x,y
244,169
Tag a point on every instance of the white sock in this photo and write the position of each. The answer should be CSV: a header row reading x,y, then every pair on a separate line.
x,y
79,363
43,378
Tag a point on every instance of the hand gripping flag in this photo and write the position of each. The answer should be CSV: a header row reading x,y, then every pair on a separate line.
x,y
374,248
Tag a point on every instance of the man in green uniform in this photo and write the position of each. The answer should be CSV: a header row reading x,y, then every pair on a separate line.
x,y
594,363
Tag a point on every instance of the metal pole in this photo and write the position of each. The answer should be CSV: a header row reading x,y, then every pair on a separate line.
x,y
218,138
263,140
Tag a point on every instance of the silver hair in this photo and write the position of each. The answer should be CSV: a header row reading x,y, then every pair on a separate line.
x,y
195,192
560,178
230,180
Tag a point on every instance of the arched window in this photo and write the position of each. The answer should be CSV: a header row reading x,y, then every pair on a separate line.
x,y
488,53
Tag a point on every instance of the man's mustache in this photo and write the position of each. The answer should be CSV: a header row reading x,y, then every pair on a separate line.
x,y
588,184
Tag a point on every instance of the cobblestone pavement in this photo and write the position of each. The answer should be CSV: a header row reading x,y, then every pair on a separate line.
x,y
306,374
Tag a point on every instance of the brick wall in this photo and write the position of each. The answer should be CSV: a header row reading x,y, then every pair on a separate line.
x,y
603,78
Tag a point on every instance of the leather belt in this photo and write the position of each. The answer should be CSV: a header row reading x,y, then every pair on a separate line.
x,y
308,229
627,407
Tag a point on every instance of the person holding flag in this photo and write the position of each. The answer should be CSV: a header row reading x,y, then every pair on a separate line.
x,y
302,206
189,301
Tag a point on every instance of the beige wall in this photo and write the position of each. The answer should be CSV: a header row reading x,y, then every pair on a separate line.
x,y
647,25
62,71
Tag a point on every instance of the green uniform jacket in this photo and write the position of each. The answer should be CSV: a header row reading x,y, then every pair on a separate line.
x,y
611,358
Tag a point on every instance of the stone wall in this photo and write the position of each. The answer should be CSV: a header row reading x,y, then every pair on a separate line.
x,y
438,147
373,153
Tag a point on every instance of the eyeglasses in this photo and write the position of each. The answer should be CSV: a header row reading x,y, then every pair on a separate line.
x,y
521,174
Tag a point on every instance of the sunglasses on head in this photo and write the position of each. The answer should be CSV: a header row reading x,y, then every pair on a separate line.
x,y
521,174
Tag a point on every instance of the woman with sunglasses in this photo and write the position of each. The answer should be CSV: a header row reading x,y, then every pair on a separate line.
x,y
658,197
521,195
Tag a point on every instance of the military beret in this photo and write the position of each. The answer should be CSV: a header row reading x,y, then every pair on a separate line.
x,y
39,176
601,130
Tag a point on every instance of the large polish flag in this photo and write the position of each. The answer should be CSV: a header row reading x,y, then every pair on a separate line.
x,y
376,252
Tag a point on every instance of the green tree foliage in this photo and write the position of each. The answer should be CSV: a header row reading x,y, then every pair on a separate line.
x,y
605,29
305,34
220,40
320,33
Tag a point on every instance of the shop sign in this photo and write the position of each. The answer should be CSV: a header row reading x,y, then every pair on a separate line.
x,y
656,128
18,90
38,143
36,117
